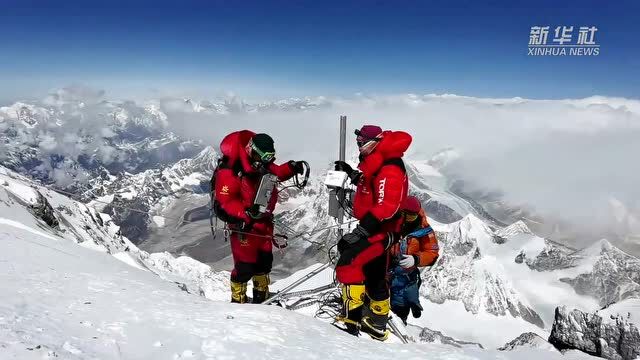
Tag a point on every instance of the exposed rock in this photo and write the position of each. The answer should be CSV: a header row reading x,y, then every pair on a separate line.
x,y
520,257
432,336
613,338
440,212
182,286
527,340
44,211
615,275
499,239
554,257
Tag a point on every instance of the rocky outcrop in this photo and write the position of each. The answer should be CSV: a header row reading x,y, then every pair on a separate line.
x,y
44,211
611,338
433,336
439,211
615,275
553,257
527,340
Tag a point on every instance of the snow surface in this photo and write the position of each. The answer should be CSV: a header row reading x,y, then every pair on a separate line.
x,y
62,300
629,309
73,302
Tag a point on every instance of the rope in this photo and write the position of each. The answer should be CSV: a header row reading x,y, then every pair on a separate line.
x,y
330,305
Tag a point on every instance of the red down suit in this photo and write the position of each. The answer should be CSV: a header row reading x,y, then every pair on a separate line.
x,y
380,191
236,185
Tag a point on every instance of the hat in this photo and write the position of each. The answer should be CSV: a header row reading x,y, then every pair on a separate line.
x,y
368,132
411,204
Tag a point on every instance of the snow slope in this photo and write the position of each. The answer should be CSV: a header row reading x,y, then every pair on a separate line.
x,y
22,203
61,300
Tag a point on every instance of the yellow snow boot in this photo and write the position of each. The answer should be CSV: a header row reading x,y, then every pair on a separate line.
x,y
374,322
352,303
238,292
260,288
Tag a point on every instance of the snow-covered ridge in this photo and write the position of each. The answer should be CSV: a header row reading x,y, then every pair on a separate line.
x,y
614,276
22,202
468,271
519,227
150,191
68,140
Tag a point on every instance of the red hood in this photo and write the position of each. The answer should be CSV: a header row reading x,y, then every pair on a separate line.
x,y
233,147
392,145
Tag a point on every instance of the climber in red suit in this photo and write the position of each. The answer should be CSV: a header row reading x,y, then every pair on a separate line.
x,y
382,186
246,158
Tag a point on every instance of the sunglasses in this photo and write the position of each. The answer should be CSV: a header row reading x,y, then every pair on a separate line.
x,y
361,140
265,156
409,216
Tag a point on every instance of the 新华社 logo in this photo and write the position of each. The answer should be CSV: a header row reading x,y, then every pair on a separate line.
x,y
563,41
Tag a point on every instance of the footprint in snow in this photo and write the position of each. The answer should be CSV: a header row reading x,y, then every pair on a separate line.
x,y
187,354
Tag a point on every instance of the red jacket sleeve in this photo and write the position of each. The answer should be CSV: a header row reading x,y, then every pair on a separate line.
x,y
284,171
228,194
389,187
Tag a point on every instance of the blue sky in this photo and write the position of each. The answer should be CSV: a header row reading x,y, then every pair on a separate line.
x,y
273,49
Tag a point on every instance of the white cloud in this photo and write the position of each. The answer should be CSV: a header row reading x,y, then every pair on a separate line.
x,y
47,142
565,159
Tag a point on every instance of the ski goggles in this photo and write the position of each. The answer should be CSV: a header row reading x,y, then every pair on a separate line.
x,y
264,156
410,216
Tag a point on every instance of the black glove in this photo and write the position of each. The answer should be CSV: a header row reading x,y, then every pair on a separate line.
x,y
416,310
358,234
254,212
343,166
353,174
297,166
